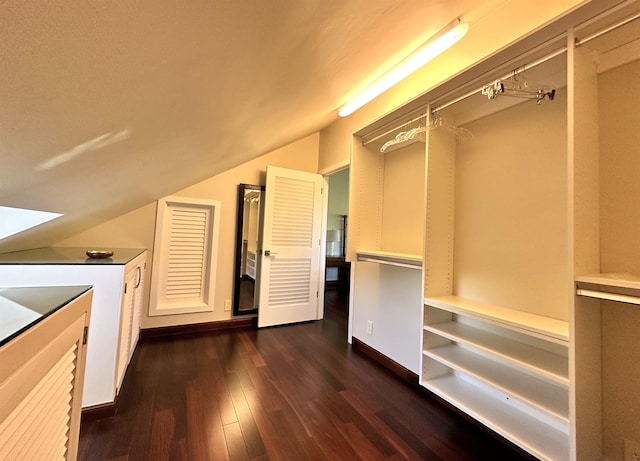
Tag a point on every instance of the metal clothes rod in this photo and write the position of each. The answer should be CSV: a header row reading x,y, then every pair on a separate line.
x,y
467,95
608,296
518,71
607,29
510,74
388,262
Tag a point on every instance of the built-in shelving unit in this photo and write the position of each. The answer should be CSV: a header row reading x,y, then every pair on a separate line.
x,y
500,415
495,310
529,234
531,324
385,244
508,369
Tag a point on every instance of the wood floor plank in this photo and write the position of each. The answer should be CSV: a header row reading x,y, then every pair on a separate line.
x,y
296,392
235,443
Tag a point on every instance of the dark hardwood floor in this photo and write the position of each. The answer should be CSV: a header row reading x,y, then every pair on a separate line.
x,y
294,392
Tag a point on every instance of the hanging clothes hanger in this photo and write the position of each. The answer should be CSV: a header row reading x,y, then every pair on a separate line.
x,y
438,121
405,137
518,86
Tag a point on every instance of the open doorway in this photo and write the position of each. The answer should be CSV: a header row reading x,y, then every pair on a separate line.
x,y
338,270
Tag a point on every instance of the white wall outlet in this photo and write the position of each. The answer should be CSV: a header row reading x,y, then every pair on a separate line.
x,y
631,450
369,327
227,305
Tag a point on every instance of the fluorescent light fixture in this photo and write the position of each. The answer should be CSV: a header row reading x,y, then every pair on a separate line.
x,y
14,220
418,58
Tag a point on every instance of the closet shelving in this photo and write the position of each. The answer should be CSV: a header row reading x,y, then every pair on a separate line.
x,y
607,251
508,369
495,321
529,317
385,244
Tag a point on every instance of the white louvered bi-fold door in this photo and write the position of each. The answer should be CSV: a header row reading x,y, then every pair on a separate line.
x,y
291,247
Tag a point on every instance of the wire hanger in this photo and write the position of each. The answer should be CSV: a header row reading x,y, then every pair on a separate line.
x,y
438,121
417,134
405,137
518,88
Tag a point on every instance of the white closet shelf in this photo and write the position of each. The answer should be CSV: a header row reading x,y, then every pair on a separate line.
x,y
530,433
548,401
539,326
411,261
614,287
543,364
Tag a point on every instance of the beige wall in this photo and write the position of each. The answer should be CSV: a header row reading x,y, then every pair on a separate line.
x,y
136,229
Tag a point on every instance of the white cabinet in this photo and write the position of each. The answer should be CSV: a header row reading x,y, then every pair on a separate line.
x,y
115,315
42,374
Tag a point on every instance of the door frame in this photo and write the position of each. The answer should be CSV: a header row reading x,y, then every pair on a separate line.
x,y
326,172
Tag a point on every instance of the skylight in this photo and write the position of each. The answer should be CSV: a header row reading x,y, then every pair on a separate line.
x,y
14,220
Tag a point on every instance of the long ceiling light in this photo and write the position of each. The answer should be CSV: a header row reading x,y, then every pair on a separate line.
x,y
418,58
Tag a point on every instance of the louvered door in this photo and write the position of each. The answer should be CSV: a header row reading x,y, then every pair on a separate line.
x,y
184,256
290,271
41,381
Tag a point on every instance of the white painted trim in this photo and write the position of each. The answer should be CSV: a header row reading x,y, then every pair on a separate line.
x,y
158,306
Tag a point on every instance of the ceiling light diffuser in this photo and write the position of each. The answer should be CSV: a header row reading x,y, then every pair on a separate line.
x,y
418,58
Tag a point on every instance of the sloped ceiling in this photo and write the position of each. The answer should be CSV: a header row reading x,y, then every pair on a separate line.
x,y
108,105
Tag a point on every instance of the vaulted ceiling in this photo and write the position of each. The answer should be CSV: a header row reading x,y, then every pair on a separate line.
x,y
107,105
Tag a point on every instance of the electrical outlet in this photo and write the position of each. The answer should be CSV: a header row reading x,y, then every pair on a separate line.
x,y
227,305
631,450
369,327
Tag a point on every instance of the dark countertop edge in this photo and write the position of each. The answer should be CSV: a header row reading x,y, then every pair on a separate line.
x,y
83,288
134,253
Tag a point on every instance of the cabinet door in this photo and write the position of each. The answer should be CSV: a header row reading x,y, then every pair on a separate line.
x,y
130,318
138,301
41,386
126,325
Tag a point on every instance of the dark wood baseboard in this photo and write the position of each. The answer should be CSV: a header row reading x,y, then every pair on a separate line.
x,y
173,330
393,366
97,412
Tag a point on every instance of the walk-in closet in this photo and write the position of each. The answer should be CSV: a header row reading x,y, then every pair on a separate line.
x,y
495,232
